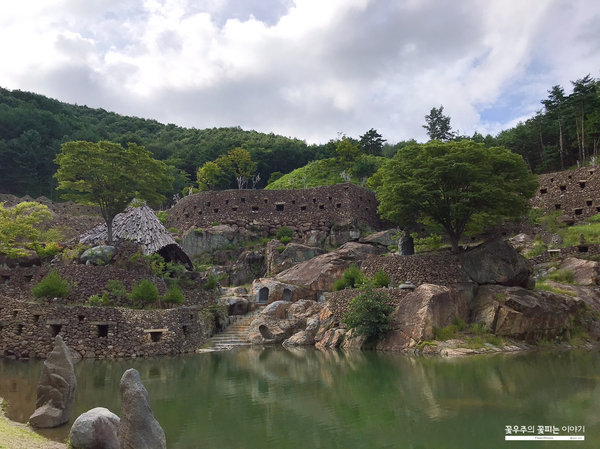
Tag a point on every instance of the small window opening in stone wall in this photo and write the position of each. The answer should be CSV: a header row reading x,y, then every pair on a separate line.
x,y
345,187
20,329
155,336
543,191
199,212
28,277
254,208
293,201
598,209
186,215
360,198
583,249
36,318
330,198
226,201
366,208
194,207
287,294
551,179
591,172
80,318
588,203
302,207
186,331
234,208
578,211
321,206
314,200
243,200
15,313
5,279
102,330
55,329
557,206
208,204
582,184
265,200
265,332
338,205
263,295
216,211
279,207
563,188
192,316
570,177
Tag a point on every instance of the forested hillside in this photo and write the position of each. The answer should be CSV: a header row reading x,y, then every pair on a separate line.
x,y
33,127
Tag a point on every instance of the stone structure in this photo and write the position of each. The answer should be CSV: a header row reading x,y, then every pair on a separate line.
x,y
576,193
138,429
56,390
304,210
96,428
27,330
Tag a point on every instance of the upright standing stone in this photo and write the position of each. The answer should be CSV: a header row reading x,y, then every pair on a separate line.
x,y
56,390
406,246
139,429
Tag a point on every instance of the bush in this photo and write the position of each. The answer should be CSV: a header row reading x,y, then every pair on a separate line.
x,y
381,279
173,296
286,240
563,276
96,300
479,329
284,231
117,288
162,216
144,293
369,315
445,333
211,282
50,249
281,249
52,286
352,278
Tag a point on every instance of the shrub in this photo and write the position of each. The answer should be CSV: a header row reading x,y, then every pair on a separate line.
x,y
117,288
459,323
284,231
49,250
52,286
445,333
369,315
281,249
173,230
286,240
173,296
537,249
381,279
144,293
429,243
162,216
340,284
211,282
563,276
353,276
479,329
96,300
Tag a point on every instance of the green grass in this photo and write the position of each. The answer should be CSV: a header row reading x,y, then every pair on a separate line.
x,y
541,285
538,248
563,276
590,231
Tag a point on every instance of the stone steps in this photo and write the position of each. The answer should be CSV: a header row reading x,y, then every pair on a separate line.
x,y
236,334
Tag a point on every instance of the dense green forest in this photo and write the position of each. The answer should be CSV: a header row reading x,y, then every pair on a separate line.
x,y
563,133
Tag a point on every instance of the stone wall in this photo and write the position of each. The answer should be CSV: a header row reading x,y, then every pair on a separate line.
x,y
576,193
266,210
561,253
28,330
438,268
338,302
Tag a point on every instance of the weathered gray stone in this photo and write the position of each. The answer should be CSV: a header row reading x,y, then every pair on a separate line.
x,y
585,272
98,255
406,246
383,238
56,390
293,254
95,429
496,262
138,429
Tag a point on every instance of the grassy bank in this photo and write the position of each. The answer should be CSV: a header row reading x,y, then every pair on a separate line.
x,y
19,436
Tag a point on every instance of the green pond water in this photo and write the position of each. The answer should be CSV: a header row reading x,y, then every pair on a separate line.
x,y
277,398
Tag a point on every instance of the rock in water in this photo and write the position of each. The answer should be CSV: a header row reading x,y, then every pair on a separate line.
x,y
139,429
95,429
56,390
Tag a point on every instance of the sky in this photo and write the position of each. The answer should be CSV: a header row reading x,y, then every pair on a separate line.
x,y
309,69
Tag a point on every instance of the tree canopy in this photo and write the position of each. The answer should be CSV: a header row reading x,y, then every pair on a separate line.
x,y
109,176
19,227
438,125
455,184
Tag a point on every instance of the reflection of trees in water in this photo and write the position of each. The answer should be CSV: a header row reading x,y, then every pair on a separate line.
x,y
271,396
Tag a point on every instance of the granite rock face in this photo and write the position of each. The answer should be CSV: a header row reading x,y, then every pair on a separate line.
x,y
496,262
56,390
585,272
95,429
138,429
99,255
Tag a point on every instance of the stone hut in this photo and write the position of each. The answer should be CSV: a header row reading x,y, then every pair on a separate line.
x,y
140,225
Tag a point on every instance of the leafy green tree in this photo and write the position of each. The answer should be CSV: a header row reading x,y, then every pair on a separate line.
x,y
369,315
455,184
364,167
371,142
238,162
19,227
109,176
347,150
210,176
438,125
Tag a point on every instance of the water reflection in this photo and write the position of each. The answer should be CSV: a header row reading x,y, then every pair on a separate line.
x,y
271,397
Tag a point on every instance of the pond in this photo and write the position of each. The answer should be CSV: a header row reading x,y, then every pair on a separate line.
x,y
304,398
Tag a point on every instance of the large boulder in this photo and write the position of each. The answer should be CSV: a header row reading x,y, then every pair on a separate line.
x,y
524,314
496,262
198,241
383,238
420,311
305,337
585,272
249,266
56,390
95,429
320,273
293,254
139,429
98,255
29,259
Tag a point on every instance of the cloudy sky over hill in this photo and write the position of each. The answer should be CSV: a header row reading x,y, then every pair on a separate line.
x,y
303,68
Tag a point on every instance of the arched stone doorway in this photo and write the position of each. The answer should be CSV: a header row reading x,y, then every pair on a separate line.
x,y
263,295
287,294
265,332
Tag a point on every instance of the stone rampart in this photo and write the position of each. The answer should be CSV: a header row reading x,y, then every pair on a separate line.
x,y
576,193
28,329
304,210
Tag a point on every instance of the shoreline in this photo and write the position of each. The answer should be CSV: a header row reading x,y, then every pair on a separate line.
x,y
15,435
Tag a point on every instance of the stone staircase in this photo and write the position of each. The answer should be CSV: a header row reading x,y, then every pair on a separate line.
x,y
236,334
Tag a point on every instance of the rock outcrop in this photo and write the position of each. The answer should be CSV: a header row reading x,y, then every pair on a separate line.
x,y
56,390
98,255
496,262
138,429
200,241
320,273
585,272
95,429
383,238
293,254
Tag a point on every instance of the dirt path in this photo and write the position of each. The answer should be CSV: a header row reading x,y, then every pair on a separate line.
x,y
19,436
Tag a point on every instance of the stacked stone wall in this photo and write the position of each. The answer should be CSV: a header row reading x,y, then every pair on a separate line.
x,y
580,252
438,268
27,330
338,302
305,209
576,193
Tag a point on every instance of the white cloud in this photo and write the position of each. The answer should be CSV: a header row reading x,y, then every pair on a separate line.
x,y
306,68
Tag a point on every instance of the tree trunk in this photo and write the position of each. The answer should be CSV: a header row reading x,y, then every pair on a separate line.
x,y
562,148
109,231
454,241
